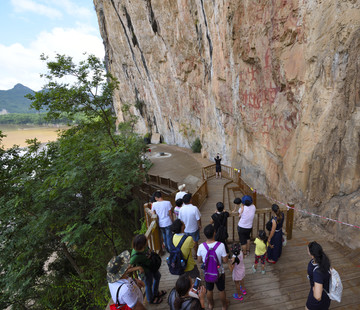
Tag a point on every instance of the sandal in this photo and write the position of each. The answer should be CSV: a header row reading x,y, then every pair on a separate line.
x,y
161,294
157,300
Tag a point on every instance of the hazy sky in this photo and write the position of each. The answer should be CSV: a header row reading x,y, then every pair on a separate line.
x,y
32,27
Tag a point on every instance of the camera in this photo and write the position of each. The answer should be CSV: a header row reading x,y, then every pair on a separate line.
x,y
196,284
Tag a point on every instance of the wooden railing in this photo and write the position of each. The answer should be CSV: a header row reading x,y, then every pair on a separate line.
x,y
262,216
232,174
227,172
163,181
200,195
153,231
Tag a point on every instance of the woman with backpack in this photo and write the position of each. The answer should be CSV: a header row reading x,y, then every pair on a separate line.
x,y
319,277
276,235
141,256
219,219
184,297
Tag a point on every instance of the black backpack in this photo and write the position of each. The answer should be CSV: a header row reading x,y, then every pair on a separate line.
x,y
155,260
221,233
269,225
176,261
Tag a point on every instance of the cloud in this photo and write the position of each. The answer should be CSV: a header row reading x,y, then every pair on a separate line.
x,y
34,7
73,9
23,65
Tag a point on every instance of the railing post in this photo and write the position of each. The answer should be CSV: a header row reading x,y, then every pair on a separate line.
x,y
289,221
157,238
254,197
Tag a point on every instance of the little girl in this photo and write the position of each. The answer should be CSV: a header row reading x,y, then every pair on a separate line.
x,y
260,251
179,202
237,268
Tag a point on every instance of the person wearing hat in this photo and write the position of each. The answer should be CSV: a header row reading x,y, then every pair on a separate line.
x,y
181,193
246,218
123,289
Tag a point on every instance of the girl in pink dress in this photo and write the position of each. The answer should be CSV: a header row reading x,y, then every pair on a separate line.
x,y
237,268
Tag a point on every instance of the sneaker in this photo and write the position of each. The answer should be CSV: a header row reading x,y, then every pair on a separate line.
x,y
243,290
236,296
253,269
263,271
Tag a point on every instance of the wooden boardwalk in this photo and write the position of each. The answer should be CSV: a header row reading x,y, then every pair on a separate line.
x,y
285,285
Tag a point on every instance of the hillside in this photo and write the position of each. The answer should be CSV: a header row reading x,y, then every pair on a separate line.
x,y
13,100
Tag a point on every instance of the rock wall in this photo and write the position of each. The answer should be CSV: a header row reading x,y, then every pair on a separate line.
x,y
273,85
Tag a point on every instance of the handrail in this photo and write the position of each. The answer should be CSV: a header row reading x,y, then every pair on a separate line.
x,y
153,232
163,181
262,216
200,195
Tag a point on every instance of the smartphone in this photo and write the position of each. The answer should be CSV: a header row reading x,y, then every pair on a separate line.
x,y
196,284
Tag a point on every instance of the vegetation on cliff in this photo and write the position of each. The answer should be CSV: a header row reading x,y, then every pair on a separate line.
x,y
67,209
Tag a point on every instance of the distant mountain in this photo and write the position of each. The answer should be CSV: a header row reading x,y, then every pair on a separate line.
x,y
13,100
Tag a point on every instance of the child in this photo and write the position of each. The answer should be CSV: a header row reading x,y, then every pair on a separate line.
x,y
260,251
237,268
178,203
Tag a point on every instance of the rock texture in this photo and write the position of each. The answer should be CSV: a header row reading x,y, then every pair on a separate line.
x,y
273,85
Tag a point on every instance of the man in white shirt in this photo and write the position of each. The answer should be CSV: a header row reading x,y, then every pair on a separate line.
x,y
163,209
123,289
209,232
191,217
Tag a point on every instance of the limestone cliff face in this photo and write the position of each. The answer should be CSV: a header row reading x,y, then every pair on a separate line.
x,y
274,86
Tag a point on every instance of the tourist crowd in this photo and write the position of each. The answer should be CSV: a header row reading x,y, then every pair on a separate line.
x,y
180,228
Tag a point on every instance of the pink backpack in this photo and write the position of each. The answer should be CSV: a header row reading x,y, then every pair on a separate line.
x,y
212,265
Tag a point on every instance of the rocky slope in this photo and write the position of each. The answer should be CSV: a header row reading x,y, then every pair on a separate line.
x,y
273,85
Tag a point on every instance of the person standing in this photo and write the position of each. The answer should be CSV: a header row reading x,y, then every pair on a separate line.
x,y
218,165
181,193
210,243
191,217
237,267
140,257
178,228
260,251
319,277
178,205
219,219
246,218
123,289
276,235
163,209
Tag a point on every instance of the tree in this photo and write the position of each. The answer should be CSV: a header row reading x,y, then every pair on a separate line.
x,y
67,208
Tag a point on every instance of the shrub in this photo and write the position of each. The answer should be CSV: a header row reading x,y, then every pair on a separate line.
x,y
196,146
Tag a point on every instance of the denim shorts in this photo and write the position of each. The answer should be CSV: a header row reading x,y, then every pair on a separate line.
x,y
195,235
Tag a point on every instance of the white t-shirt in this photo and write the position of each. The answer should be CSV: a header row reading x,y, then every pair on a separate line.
x,y
162,209
190,214
220,252
176,211
247,217
129,292
180,195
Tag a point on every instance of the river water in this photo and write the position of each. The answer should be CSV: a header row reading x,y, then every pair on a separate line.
x,y
18,134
